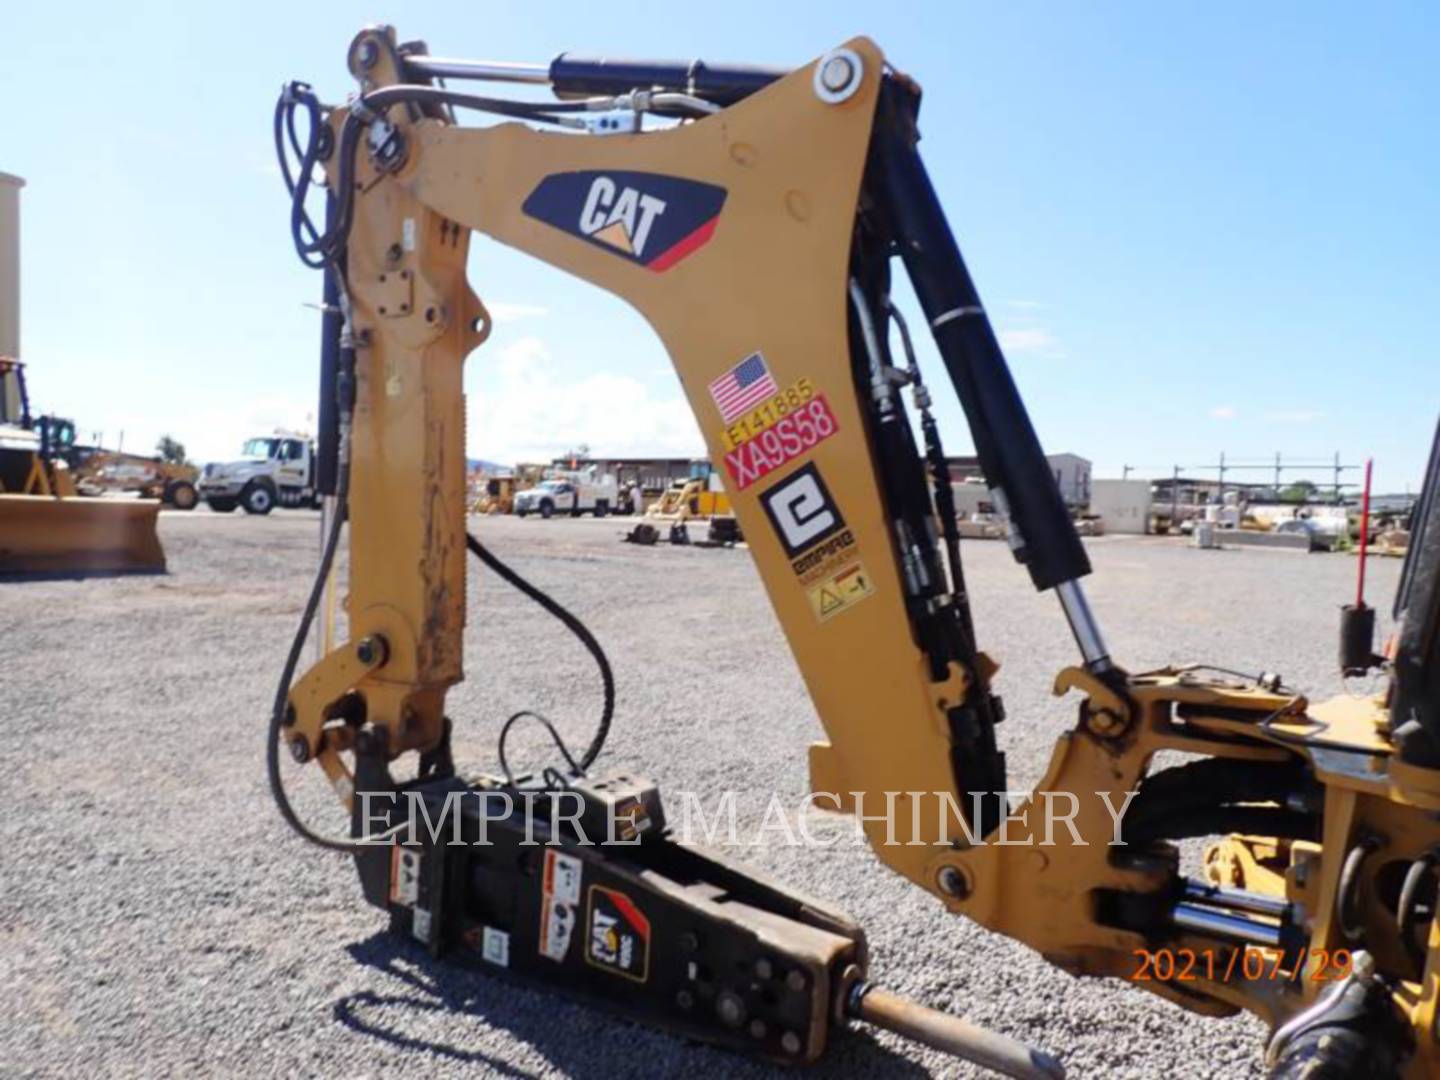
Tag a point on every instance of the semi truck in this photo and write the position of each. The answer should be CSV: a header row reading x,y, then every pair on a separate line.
x,y
272,470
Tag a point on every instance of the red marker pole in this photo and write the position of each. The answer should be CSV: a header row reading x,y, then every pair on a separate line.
x,y
1364,534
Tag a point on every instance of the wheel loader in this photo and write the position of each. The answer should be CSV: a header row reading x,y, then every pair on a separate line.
x,y
757,218
45,526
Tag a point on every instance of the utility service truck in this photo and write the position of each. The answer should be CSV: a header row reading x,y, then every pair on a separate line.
x,y
572,493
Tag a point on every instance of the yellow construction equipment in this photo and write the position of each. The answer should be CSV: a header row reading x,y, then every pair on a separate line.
x,y
697,496
498,496
172,483
756,227
45,527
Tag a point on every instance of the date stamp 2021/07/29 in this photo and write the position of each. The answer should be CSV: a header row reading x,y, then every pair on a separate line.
x,y
1248,964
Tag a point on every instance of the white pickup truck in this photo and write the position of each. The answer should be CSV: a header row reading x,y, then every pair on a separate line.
x,y
272,470
573,494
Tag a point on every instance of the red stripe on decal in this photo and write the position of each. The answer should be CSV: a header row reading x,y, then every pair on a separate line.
x,y
677,251
632,914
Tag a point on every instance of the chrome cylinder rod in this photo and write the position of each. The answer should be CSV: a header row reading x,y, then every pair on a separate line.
x,y
1083,625
477,70
1276,907
1236,928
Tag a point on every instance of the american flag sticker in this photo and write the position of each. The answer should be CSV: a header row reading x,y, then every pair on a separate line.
x,y
743,387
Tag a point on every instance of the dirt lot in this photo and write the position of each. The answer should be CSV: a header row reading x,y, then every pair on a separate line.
x,y
158,918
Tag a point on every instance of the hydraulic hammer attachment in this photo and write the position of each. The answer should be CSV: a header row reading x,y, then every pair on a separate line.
x,y
581,888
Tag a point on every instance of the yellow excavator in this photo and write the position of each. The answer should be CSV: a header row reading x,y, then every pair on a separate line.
x,y
45,526
755,217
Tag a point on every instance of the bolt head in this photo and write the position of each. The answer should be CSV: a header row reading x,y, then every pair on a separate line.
x,y
836,73
299,751
730,1008
790,1042
1105,722
763,969
952,882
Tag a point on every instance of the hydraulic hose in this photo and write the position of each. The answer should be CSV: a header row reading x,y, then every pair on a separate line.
x,y
576,627
292,661
297,645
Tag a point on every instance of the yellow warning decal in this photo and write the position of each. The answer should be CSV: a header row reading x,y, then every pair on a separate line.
x,y
844,588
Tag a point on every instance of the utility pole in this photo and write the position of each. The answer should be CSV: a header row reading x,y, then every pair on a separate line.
x,y
1277,474
1175,498
1220,497
1125,471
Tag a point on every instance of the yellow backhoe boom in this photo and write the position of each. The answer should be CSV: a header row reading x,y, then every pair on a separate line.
x,y
756,229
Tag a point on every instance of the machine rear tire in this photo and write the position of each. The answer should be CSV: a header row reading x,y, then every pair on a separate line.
x,y
257,499
222,505
181,495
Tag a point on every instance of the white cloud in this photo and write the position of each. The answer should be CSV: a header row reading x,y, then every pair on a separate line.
x,y
530,411
1293,416
1024,305
1034,340
1224,412
503,312
213,433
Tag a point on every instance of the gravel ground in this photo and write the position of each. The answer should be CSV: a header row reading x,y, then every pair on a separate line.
x,y
158,918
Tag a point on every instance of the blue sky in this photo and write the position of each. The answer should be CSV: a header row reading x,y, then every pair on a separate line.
x,y
1198,227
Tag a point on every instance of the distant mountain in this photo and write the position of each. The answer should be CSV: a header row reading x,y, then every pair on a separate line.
x,y
491,467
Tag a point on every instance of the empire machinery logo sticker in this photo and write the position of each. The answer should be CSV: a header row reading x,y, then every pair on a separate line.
x,y
649,218
821,547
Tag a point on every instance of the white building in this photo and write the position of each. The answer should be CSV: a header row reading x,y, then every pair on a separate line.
x,y
1124,505
1072,477
1071,472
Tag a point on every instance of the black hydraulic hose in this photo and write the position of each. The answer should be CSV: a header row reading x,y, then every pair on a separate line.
x,y
1407,908
292,661
297,645
940,482
1218,821
1215,782
576,627
1221,821
316,247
